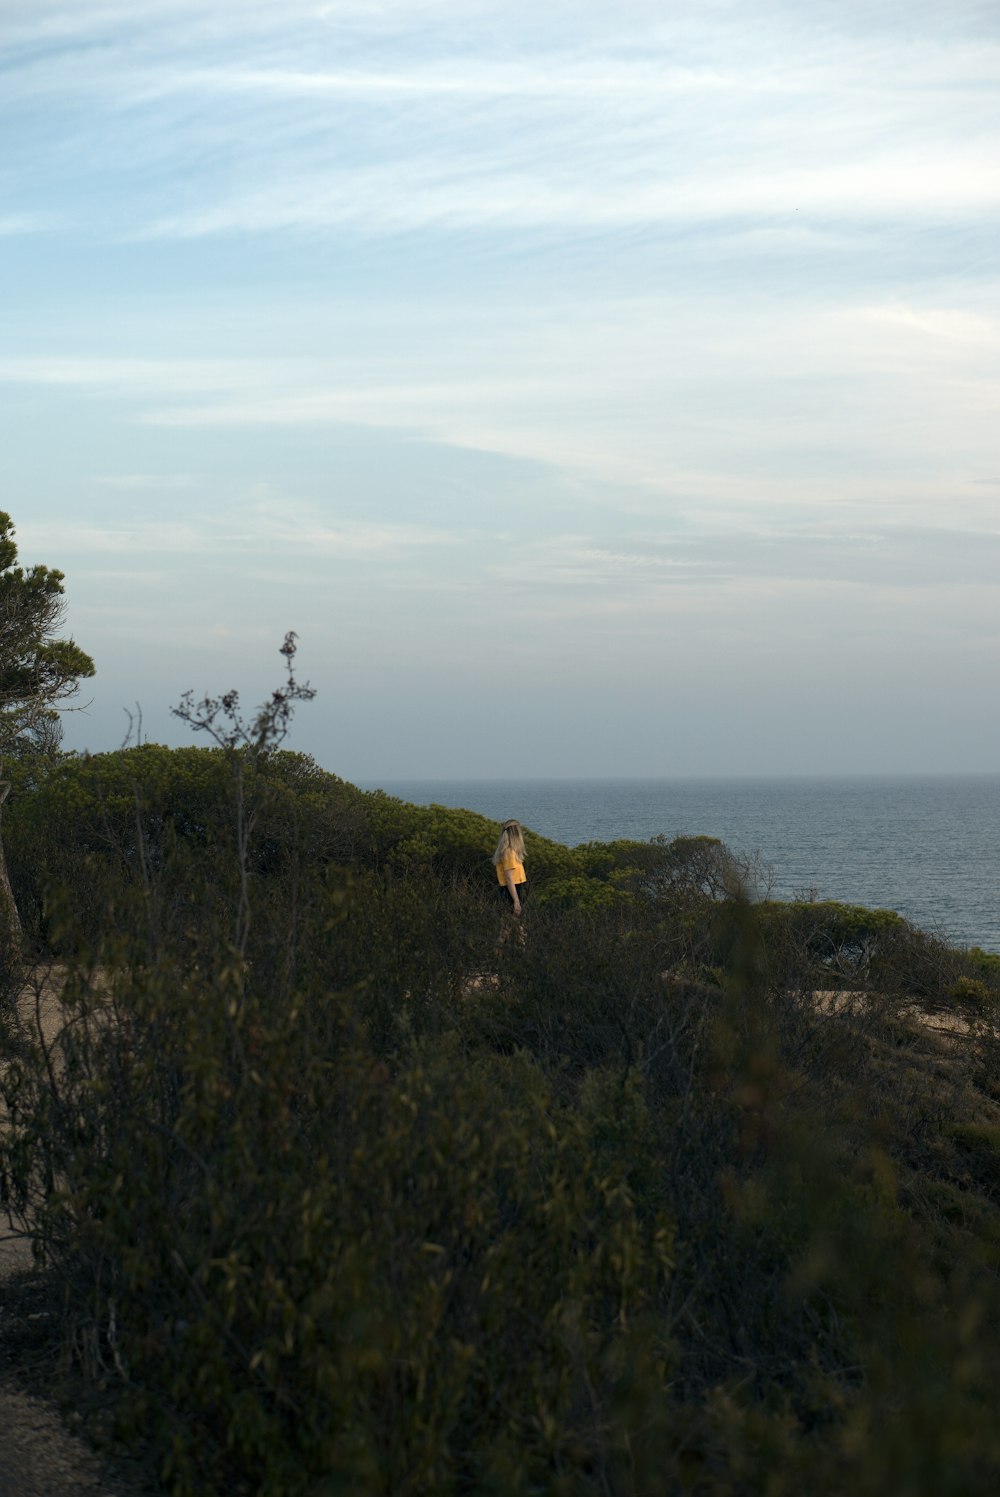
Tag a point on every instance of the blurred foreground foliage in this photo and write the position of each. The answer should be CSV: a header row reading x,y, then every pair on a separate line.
x,y
682,1195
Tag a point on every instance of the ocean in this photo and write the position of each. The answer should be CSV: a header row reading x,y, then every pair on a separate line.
x,y
927,846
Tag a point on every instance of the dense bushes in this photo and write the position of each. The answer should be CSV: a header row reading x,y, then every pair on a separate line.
x,y
343,1198
305,1264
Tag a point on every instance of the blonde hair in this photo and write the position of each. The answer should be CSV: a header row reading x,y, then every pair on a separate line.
x,y
511,840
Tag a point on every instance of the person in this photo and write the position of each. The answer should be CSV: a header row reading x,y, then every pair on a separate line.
x,y
508,860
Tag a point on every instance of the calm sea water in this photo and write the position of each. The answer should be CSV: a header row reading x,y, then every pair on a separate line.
x,y
927,847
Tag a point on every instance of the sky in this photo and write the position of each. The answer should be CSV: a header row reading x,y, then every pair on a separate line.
x,y
595,390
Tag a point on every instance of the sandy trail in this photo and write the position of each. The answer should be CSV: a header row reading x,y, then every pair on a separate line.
x,y
38,1455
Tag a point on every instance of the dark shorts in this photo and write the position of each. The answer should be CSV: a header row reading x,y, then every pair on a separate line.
x,y
504,895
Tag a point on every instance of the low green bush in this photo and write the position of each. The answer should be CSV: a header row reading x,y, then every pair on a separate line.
x,y
974,994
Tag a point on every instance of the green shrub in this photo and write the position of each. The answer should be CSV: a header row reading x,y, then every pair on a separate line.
x,y
343,1197
973,993
985,963
95,825
312,1268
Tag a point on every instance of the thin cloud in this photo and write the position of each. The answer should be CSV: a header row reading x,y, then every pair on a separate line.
x,y
421,197
141,378
296,528
705,403
12,224
461,77
236,127
944,324
145,482
269,528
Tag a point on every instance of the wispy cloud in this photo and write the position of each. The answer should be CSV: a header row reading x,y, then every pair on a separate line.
x,y
26,223
707,400
423,196
146,482
127,374
274,528
297,528
704,123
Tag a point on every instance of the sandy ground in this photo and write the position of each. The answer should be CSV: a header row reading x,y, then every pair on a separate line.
x,y
38,1455
838,1001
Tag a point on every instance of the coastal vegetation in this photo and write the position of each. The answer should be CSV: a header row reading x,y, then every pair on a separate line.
x,y
694,1191
38,672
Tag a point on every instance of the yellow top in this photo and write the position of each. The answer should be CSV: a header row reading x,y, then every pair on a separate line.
x,y
511,862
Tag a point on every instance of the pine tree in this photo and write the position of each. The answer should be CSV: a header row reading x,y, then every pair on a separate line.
x,y
37,673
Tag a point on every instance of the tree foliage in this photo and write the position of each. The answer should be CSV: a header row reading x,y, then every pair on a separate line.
x,y
37,673
37,670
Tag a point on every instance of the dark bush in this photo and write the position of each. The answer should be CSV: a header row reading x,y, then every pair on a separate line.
x,y
343,1195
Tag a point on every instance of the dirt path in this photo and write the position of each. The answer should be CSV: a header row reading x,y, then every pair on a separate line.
x,y
39,1457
